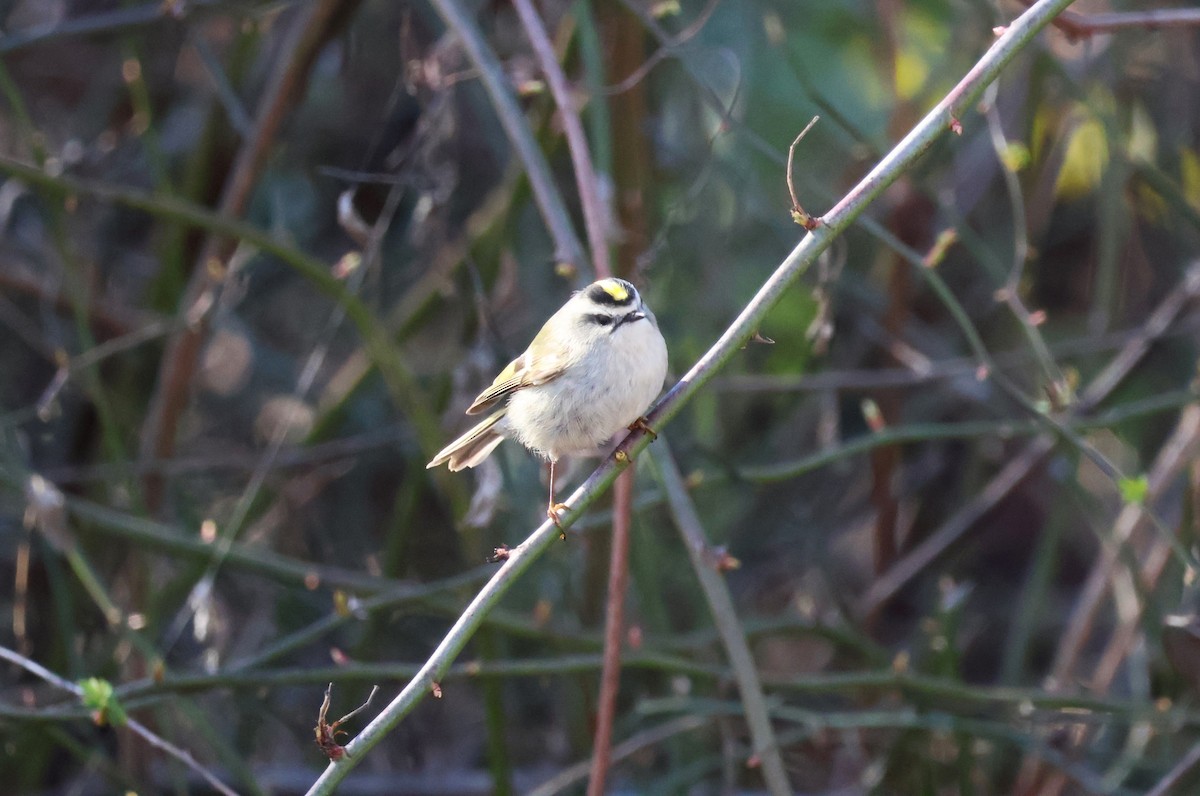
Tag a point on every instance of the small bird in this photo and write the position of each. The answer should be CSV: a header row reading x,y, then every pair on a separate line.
x,y
593,369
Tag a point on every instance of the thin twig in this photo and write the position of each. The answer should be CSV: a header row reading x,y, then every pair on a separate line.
x,y
798,213
141,532
668,47
635,743
918,558
1015,37
115,21
326,733
1084,26
495,81
1168,783
1033,454
927,432
156,741
595,216
957,367
236,522
377,342
107,318
765,748
594,213
1010,293
814,722
614,633
284,89
1176,453
1069,707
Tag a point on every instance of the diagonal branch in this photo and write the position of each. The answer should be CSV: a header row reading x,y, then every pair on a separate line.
x,y
594,214
182,354
764,744
145,733
1033,453
496,83
942,118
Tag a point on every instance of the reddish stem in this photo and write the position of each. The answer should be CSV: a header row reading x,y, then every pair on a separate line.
x,y
614,630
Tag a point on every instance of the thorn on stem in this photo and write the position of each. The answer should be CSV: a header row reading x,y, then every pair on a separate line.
x,y
761,339
719,559
499,554
757,337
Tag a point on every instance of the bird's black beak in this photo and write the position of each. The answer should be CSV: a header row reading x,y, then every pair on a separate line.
x,y
629,317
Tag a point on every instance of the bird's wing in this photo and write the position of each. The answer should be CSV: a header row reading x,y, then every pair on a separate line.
x,y
524,371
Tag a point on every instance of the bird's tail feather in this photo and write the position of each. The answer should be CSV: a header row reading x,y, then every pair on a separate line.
x,y
473,447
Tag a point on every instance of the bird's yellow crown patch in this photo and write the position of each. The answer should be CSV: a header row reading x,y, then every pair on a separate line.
x,y
615,289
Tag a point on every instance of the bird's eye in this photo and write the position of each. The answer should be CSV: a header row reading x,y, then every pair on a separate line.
x,y
600,319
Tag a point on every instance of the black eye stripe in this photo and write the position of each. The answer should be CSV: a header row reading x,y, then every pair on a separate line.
x,y
614,321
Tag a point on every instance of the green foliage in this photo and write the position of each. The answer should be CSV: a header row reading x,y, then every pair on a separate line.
x,y
1134,490
100,698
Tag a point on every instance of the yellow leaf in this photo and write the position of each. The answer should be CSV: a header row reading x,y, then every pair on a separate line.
x,y
1016,156
1150,203
1189,176
911,73
1085,160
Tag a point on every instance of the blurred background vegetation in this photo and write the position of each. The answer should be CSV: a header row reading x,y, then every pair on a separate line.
x,y
257,258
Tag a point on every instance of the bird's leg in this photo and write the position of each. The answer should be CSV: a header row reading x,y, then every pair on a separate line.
x,y
641,423
552,508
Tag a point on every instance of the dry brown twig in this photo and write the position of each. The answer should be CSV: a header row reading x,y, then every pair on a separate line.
x,y
798,213
665,50
1078,26
1034,452
1151,554
327,733
590,198
614,631
174,383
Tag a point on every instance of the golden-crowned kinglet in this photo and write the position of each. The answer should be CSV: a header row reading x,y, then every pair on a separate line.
x,y
592,370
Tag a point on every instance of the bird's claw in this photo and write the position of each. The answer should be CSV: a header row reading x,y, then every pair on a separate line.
x,y
641,424
552,511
